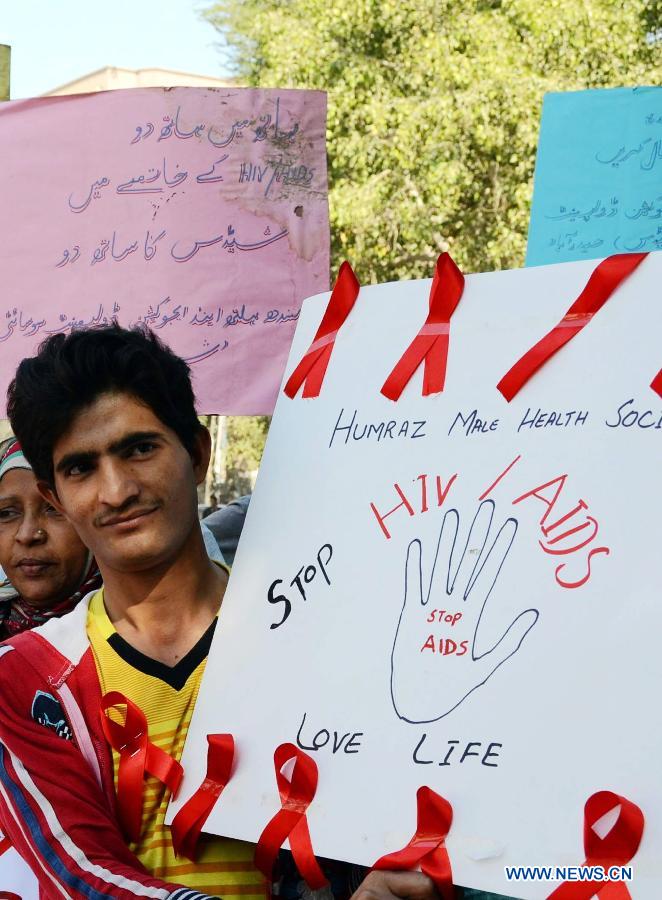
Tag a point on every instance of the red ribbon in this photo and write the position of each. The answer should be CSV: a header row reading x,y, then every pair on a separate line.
x,y
296,795
617,848
187,824
427,848
312,367
605,278
5,844
431,343
656,383
137,756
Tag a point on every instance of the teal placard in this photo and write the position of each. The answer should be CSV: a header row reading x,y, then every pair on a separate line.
x,y
598,178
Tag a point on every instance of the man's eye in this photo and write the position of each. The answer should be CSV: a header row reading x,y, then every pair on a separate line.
x,y
142,449
75,470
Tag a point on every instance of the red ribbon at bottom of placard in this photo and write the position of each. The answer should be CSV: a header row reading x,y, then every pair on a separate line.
x,y
188,823
296,794
138,755
427,848
656,383
616,848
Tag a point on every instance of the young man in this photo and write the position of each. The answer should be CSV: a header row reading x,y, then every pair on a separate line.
x,y
106,418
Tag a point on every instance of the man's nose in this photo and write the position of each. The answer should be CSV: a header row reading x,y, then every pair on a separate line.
x,y
116,485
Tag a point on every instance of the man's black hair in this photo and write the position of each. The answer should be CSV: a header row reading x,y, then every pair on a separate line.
x,y
70,372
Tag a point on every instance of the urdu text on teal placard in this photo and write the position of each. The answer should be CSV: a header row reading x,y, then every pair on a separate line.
x,y
598,179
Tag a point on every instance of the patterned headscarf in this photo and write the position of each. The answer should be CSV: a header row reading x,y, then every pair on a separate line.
x,y
12,458
16,614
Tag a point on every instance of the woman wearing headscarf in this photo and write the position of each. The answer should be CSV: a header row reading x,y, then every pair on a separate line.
x,y
47,569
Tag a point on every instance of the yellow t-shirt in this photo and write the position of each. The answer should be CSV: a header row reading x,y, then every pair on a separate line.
x,y
167,696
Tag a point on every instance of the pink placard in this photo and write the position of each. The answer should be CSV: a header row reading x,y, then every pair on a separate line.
x,y
201,212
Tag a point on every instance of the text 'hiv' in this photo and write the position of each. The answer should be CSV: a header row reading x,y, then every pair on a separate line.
x,y
432,493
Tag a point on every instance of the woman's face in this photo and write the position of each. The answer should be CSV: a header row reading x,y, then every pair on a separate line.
x,y
41,554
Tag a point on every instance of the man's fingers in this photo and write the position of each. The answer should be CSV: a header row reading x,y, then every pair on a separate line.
x,y
404,885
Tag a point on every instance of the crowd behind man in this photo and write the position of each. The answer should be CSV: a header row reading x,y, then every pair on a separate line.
x,y
46,568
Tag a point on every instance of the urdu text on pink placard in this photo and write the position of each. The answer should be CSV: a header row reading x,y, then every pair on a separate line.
x,y
199,212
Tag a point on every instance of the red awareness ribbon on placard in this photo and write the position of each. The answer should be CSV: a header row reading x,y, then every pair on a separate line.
x,y
427,848
616,848
431,343
137,756
296,795
312,368
605,278
656,383
188,823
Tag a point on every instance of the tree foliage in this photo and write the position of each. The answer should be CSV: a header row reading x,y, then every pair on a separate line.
x,y
246,436
434,109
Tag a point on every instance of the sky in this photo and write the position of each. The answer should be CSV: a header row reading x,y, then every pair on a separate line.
x,y
56,41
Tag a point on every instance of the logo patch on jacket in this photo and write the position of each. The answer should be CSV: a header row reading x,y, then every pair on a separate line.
x,y
47,711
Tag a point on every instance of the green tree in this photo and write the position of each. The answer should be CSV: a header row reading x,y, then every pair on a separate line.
x,y
434,109
245,436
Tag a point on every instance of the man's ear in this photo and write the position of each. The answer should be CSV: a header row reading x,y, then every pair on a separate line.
x,y
201,453
49,494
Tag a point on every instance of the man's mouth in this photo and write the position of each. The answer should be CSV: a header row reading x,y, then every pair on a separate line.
x,y
127,520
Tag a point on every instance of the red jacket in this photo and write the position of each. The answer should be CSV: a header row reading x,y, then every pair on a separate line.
x,y
57,797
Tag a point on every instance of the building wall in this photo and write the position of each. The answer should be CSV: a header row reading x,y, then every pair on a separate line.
x,y
111,78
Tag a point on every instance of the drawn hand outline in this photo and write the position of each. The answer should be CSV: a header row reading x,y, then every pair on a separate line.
x,y
468,588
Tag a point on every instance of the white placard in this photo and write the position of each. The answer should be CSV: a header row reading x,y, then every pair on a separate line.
x,y
16,877
548,689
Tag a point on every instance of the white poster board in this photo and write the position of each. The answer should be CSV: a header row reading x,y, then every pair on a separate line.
x,y
16,878
561,699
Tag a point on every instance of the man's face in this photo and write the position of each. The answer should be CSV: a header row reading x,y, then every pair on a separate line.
x,y
127,484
